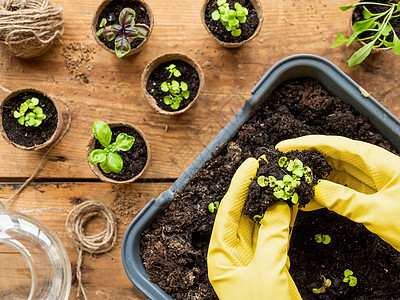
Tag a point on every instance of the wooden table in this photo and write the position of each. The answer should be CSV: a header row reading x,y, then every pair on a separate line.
x,y
290,27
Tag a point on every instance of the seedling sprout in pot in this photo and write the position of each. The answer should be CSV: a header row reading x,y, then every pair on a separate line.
x,y
118,152
30,119
172,83
374,27
122,27
232,22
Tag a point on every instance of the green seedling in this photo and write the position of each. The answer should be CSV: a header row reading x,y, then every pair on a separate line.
x,y
322,238
327,283
173,71
259,219
32,118
379,24
285,188
124,32
230,18
213,206
176,93
108,158
349,278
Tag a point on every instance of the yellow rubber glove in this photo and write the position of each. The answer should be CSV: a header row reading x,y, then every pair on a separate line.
x,y
364,185
246,260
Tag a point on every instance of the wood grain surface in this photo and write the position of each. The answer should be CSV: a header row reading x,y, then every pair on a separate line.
x,y
114,94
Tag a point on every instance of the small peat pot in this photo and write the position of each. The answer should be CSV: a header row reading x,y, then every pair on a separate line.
x,y
172,83
181,219
30,120
365,34
122,27
117,152
232,22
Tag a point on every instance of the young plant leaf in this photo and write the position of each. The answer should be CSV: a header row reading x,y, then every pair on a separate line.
x,y
361,54
347,7
102,133
124,142
105,167
114,162
97,156
340,39
164,87
127,16
103,23
236,32
122,46
215,15
185,94
396,43
261,181
220,2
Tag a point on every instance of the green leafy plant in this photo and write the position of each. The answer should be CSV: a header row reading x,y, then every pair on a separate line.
x,y
173,71
379,24
327,283
124,32
32,118
285,188
176,93
322,238
349,278
230,18
108,159
213,206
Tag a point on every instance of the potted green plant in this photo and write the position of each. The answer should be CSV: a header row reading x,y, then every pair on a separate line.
x,y
117,152
373,28
122,28
231,22
172,83
30,119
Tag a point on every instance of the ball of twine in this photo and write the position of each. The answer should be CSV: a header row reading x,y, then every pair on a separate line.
x,y
29,27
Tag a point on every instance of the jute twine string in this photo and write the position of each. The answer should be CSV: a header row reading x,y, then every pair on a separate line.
x,y
77,218
29,27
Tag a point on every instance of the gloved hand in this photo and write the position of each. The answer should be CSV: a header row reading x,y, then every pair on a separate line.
x,y
246,260
364,185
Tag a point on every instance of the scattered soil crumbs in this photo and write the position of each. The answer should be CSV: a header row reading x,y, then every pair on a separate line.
x,y
124,204
174,248
261,198
219,30
76,58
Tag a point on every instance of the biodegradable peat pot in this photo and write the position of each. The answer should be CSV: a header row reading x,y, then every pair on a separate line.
x,y
29,137
110,10
135,160
357,15
146,224
250,28
155,74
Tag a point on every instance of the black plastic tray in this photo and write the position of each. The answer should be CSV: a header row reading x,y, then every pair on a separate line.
x,y
296,66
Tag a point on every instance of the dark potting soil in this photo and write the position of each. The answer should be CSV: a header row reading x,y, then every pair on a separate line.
x,y
358,16
261,198
174,248
160,74
219,30
134,159
29,136
111,13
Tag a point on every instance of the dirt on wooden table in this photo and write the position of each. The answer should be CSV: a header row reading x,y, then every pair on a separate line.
x,y
174,248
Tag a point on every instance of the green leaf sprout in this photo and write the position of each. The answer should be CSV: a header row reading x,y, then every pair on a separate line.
x,y
230,18
259,219
322,238
349,278
213,206
124,32
177,91
371,23
32,118
327,283
108,159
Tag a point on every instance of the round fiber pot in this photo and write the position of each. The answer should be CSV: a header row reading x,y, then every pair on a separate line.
x,y
155,73
29,137
135,155
143,15
227,40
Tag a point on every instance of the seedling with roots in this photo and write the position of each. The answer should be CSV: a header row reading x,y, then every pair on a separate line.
x,y
349,278
322,238
124,33
34,117
327,283
108,158
230,18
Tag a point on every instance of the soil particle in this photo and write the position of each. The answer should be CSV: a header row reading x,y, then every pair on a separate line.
x,y
76,59
174,248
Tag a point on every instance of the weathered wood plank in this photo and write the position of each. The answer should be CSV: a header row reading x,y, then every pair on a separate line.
x,y
103,275
291,26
